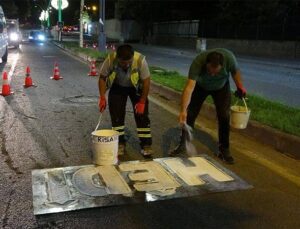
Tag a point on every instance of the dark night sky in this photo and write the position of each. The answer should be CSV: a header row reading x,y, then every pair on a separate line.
x,y
167,10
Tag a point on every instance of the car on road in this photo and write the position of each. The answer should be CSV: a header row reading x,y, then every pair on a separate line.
x,y
14,34
37,36
3,37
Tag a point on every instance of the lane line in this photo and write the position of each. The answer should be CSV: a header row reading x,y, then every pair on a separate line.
x,y
281,171
13,66
278,169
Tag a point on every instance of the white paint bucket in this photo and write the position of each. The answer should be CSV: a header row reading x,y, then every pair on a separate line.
x,y
239,116
105,147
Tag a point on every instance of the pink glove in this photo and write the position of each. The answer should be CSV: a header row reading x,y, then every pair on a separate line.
x,y
102,103
140,107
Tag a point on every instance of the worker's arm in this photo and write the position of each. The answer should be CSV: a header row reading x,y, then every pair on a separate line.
x,y
102,85
237,78
146,88
104,72
185,99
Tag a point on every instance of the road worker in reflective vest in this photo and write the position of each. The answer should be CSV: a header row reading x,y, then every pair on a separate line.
x,y
126,73
209,74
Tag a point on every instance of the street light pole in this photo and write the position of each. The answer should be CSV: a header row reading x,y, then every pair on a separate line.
x,y
59,20
81,24
101,38
48,19
59,11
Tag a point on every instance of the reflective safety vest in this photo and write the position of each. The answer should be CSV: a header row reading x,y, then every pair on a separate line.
x,y
135,69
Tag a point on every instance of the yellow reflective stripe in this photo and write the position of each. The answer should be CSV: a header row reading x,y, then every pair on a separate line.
x,y
144,135
118,127
122,133
143,129
134,78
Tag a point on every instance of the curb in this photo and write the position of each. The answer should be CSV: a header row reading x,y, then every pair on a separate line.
x,y
285,143
82,56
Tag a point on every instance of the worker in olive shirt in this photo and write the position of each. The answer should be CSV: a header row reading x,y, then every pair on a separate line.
x,y
127,74
209,75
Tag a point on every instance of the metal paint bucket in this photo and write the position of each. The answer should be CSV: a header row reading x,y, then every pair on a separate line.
x,y
239,116
105,145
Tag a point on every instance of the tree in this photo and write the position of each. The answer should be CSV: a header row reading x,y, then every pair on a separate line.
x,y
10,8
24,11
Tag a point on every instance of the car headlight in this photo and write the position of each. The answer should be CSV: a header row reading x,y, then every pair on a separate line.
x,y
41,37
14,36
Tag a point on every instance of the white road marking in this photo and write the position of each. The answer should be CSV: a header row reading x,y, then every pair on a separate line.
x,y
273,166
13,66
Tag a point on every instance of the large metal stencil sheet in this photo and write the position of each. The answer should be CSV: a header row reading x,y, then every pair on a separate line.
x,y
78,187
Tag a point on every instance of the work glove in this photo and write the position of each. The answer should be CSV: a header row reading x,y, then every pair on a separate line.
x,y
140,107
240,92
102,103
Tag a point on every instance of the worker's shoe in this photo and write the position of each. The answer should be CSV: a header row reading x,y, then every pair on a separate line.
x,y
224,155
146,151
121,149
179,149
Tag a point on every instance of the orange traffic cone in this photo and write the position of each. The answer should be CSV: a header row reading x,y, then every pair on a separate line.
x,y
28,80
56,75
93,71
5,86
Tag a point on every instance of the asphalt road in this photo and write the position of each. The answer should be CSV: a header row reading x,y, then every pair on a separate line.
x,y
49,126
275,79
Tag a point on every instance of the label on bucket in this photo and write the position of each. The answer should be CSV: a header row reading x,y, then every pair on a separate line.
x,y
107,139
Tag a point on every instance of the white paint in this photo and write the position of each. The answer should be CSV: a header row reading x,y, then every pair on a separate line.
x,y
88,181
191,174
13,66
113,180
150,177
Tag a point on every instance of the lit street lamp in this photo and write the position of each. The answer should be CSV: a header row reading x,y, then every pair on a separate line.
x,y
60,5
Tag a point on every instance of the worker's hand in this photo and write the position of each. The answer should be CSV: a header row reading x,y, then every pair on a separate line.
x,y
182,118
140,107
102,103
240,92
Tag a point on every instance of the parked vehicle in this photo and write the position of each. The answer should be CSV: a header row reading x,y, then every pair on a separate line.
x,y
14,34
3,37
37,36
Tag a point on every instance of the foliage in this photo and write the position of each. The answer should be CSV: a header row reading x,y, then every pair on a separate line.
x,y
10,8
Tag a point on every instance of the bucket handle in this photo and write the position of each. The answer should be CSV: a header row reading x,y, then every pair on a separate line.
x,y
99,121
244,103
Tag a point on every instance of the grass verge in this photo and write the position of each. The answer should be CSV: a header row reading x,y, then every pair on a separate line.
x,y
93,53
273,114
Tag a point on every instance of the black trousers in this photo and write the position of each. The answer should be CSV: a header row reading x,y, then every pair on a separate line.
x,y
117,99
222,101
